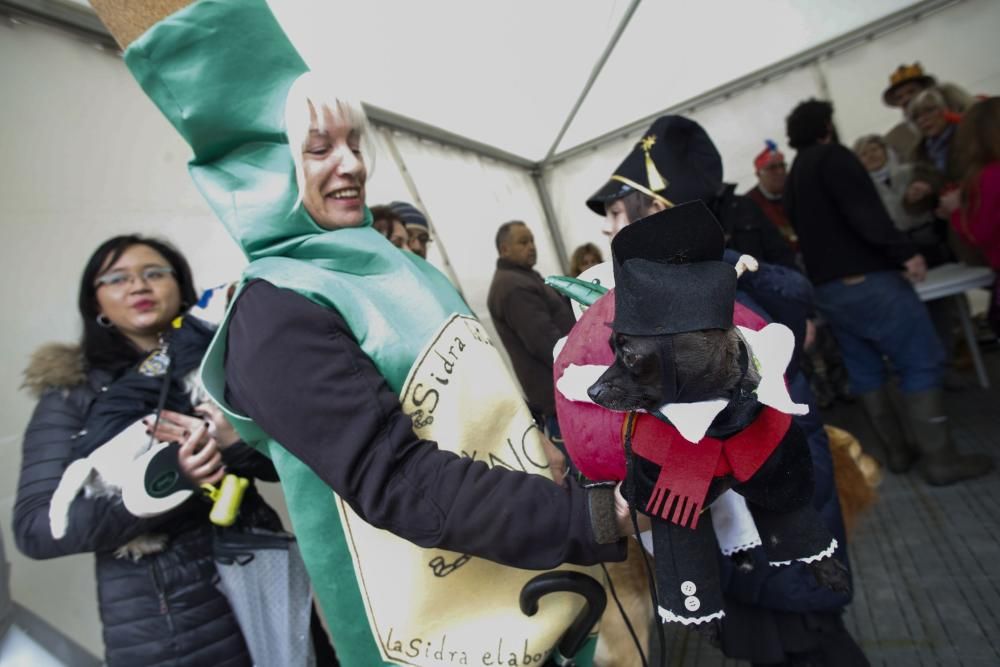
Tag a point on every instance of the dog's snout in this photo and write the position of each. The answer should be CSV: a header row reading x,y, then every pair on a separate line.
x,y
595,392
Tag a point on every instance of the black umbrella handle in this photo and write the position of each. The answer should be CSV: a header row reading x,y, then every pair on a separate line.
x,y
567,582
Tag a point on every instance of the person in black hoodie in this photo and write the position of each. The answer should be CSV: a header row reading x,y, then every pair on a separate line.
x,y
857,260
156,577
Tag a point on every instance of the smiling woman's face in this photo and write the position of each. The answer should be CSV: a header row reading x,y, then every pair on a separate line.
x,y
333,170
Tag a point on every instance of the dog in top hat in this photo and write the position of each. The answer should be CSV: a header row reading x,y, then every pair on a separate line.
x,y
707,411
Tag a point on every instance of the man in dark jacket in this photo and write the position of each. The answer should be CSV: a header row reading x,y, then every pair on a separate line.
x,y
854,256
529,317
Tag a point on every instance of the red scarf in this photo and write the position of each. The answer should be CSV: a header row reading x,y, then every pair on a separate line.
x,y
687,468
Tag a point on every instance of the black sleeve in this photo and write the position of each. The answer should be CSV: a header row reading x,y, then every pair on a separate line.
x,y
294,368
860,205
94,524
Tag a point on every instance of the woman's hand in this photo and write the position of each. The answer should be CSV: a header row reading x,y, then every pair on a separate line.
x,y
557,461
218,426
199,457
948,203
623,516
916,269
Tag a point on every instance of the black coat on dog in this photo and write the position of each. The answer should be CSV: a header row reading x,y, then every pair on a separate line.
x,y
674,342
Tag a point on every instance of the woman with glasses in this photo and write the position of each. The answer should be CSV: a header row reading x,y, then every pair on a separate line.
x,y
159,603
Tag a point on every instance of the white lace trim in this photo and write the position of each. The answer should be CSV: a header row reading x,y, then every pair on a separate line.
x,y
670,617
746,546
826,553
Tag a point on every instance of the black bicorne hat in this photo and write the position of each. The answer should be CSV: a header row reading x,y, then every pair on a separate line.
x,y
669,274
674,162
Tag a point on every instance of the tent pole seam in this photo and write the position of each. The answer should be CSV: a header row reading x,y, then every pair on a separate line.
x,y
594,73
411,186
550,220
805,58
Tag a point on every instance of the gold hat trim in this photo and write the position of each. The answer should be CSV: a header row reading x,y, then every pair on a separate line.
x,y
643,189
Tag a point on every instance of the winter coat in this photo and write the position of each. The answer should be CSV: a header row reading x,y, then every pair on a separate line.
x,y
530,317
155,577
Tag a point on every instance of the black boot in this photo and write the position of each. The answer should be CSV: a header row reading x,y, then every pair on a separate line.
x,y
879,409
941,464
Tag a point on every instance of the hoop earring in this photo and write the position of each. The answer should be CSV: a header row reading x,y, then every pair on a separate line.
x,y
103,321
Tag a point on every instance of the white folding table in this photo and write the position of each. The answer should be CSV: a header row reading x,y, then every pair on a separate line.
x,y
953,280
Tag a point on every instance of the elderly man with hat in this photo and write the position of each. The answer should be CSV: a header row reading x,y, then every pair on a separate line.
x,y
416,226
904,84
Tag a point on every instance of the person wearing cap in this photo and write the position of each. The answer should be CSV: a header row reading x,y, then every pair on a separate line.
x,y
676,162
904,84
770,168
388,223
856,258
775,293
417,228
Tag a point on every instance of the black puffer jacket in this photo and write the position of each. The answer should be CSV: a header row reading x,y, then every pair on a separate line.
x,y
162,608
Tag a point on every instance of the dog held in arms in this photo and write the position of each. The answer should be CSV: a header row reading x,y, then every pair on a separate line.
x,y
707,412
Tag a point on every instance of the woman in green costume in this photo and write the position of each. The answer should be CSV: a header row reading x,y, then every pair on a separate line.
x,y
416,481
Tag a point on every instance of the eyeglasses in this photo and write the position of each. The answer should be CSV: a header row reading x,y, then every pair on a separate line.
x,y
150,275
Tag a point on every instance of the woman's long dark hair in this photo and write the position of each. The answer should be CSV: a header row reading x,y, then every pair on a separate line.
x,y
977,144
107,347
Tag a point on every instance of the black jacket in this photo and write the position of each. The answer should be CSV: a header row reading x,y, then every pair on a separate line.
x,y
748,230
164,607
530,317
842,225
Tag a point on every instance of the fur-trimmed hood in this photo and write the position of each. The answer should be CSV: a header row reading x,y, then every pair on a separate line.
x,y
55,366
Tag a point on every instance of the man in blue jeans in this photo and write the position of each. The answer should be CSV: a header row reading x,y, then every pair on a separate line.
x,y
855,258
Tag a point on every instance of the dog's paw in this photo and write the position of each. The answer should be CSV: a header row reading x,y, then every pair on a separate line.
x,y
832,574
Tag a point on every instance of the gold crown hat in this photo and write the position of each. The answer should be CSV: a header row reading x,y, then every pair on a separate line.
x,y
673,162
903,75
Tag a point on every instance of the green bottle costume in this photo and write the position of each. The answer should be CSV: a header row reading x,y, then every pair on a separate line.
x,y
237,52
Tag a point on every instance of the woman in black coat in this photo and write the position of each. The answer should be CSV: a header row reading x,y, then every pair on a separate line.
x,y
158,599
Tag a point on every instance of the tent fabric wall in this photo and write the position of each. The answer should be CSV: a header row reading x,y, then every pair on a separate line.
x,y
86,156
954,44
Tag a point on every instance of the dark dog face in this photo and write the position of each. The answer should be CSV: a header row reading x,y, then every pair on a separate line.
x,y
651,371
634,381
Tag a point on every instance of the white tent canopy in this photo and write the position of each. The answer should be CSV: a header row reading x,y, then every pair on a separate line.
x,y
485,112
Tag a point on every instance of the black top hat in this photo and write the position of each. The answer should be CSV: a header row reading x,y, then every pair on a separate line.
x,y
669,274
674,162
